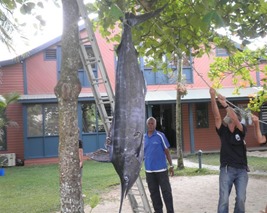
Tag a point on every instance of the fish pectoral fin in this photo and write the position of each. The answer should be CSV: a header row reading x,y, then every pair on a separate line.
x,y
139,136
101,155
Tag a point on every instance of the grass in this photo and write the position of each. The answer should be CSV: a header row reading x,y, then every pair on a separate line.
x,y
255,163
35,189
194,172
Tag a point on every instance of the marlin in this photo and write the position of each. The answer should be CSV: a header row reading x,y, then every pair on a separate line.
x,y
125,139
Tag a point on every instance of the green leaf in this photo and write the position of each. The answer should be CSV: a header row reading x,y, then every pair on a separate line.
x,y
116,12
94,201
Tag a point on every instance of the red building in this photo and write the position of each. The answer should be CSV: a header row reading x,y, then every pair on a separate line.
x,y
35,75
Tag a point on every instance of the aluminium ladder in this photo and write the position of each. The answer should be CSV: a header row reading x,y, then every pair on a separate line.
x,y
88,61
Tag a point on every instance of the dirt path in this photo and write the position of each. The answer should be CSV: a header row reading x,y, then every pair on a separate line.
x,y
197,194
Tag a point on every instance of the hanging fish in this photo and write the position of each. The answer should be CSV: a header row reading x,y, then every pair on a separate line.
x,y
125,141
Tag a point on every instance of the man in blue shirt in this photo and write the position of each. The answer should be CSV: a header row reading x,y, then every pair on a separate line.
x,y
156,152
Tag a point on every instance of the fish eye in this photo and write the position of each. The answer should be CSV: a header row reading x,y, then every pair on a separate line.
x,y
126,178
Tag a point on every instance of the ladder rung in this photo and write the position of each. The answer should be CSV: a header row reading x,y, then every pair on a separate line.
x,y
101,101
98,81
84,40
91,60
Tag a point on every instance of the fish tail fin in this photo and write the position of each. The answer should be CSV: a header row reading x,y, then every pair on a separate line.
x,y
135,20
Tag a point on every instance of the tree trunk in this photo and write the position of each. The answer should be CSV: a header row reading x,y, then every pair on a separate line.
x,y
180,161
67,91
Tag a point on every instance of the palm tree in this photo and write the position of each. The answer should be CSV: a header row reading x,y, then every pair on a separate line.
x,y
5,101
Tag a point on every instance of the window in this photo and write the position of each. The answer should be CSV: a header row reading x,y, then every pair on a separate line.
x,y
91,118
50,54
50,119
202,118
42,120
35,120
221,52
156,78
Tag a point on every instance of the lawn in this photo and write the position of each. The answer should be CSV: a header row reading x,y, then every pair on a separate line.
x,y
255,163
35,189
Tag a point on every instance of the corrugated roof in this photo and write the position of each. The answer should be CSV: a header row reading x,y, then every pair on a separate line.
x,y
42,98
198,95
34,50
167,96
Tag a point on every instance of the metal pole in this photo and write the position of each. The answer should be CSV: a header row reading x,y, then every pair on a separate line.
x,y
199,159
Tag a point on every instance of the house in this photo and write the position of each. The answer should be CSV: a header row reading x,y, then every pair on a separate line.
x,y
35,75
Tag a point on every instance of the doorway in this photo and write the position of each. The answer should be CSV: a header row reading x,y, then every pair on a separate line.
x,y
165,116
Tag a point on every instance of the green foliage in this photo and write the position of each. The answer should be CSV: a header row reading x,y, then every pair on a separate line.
x,y
256,101
184,25
238,67
5,101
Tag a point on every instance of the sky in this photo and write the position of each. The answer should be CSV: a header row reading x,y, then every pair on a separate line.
x,y
54,24
53,17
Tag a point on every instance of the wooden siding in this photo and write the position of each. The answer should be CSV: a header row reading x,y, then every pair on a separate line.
x,y
15,134
40,161
12,81
41,75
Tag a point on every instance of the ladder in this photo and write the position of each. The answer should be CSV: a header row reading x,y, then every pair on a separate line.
x,y
88,61
137,190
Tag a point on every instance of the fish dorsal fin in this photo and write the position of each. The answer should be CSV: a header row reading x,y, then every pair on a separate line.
x,y
133,20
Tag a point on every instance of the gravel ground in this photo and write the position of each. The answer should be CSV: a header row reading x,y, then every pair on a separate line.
x,y
198,194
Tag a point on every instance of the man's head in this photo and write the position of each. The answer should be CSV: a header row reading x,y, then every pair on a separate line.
x,y
151,124
228,120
